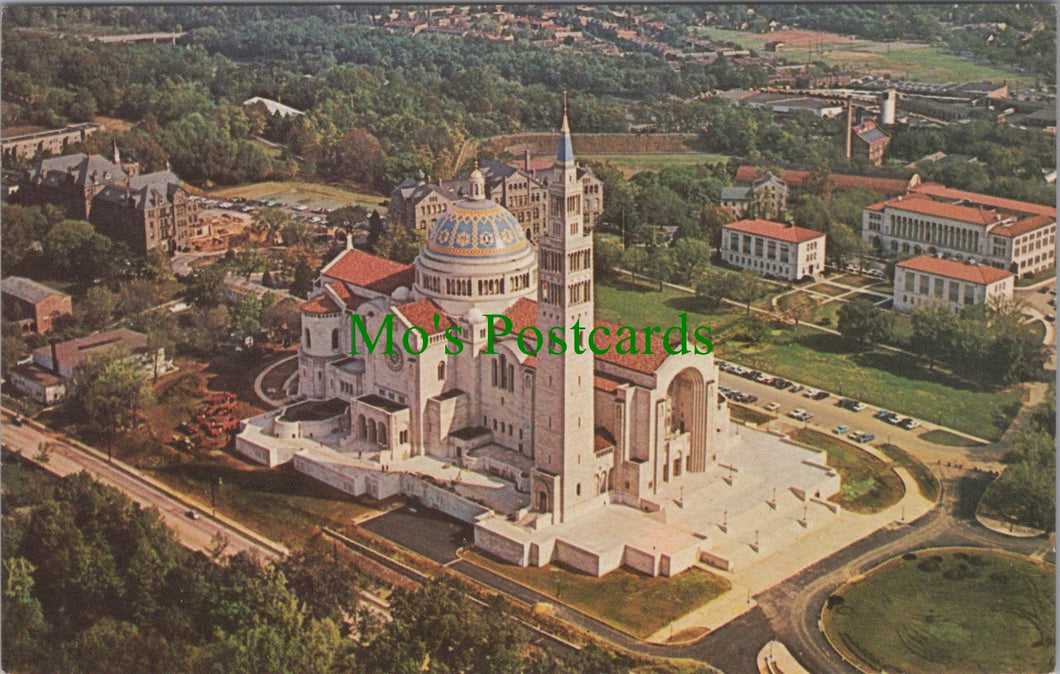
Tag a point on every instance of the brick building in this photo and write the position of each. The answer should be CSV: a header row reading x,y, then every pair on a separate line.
x,y
33,305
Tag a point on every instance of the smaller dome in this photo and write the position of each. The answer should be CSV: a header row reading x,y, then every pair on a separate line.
x,y
473,315
477,228
401,293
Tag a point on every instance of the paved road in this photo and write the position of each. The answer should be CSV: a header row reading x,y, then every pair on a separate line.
x,y
181,262
429,532
65,460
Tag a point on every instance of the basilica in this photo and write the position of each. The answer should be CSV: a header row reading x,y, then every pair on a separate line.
x,y
526,447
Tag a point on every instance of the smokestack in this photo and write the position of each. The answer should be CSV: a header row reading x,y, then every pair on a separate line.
x,y
526,159
850,126
55,360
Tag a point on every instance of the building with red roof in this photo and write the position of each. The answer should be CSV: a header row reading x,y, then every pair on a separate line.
x,y
927,280
773,248
936,220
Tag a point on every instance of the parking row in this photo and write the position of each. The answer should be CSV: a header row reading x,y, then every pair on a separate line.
x,y
799,414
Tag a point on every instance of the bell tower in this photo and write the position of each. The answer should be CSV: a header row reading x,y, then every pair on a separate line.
x,y
562,478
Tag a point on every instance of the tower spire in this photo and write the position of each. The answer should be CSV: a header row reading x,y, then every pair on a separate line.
x,y
565,151
117,156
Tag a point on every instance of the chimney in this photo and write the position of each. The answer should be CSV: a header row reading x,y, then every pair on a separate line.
x,y
526,159
55,360
850,124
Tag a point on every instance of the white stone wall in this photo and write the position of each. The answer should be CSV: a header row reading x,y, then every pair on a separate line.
x,y
501,547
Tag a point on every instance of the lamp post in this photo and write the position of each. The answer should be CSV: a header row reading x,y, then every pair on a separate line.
x,y
214,488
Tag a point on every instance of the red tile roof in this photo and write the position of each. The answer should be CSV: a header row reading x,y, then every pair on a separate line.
x,y
321,304
368,271
775,230
421,314
918,203
981,274
942,192
351,300
1023,226
840,181
523,314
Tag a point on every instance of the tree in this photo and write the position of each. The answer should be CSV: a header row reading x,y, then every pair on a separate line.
x,y
282,320
712,287
375,229
934,330
843,244
266,278
606,257
112,388
77,250
634,259
660,266
689,257
400,244
864,323
207,288
748,287
303,278
297,233
272,220
799,307
96,308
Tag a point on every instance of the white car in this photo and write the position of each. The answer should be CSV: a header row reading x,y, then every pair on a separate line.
x,y
809,393
772,407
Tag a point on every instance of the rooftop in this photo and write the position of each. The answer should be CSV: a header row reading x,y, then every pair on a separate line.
x,y
979,274
363,270
27,290
71,354
775,230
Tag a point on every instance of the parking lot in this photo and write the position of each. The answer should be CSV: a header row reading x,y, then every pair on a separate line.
x,y
429,532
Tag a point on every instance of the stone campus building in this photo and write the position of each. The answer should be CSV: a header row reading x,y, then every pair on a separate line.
x,y
147,212
522,191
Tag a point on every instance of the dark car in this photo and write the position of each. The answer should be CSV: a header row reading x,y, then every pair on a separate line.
x,y
820,395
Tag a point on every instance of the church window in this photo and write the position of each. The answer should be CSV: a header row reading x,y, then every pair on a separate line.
x,y
335,338
578,489
308,339
493,379
441,371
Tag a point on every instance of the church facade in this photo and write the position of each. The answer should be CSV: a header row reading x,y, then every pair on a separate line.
x,y
571,431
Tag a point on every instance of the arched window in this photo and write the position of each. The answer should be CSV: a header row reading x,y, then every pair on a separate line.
x,y
441,371
335,338
308,340
371,430
382,434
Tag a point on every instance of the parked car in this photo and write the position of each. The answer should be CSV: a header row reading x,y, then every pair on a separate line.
x,y
820,395
800,414
797,387
763,378
841,429
881,414
851,404
781,384
192,515
861,437
909,423
772,407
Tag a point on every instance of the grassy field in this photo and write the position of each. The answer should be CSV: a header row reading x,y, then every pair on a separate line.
x,y
948,611
308,194
867,485
749,414
1038,277
883,378
281,503
628,601
926,482
904,60
631,164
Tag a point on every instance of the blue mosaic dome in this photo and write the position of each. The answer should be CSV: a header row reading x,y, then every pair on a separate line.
x,y
477,228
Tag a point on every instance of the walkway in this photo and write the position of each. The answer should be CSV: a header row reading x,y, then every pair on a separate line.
x,y
267,399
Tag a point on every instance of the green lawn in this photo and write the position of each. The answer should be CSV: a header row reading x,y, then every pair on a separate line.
x,y
926,482
309,194
749,415
632,164
904,60
633,603
279,503
948,611
821,360
22,482
867,484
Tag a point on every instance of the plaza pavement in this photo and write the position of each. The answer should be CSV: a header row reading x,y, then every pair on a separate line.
x,y
780,558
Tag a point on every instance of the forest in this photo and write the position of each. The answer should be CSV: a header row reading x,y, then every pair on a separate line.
x,y
92,582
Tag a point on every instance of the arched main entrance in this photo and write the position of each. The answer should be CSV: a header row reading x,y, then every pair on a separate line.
x,y
688,414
